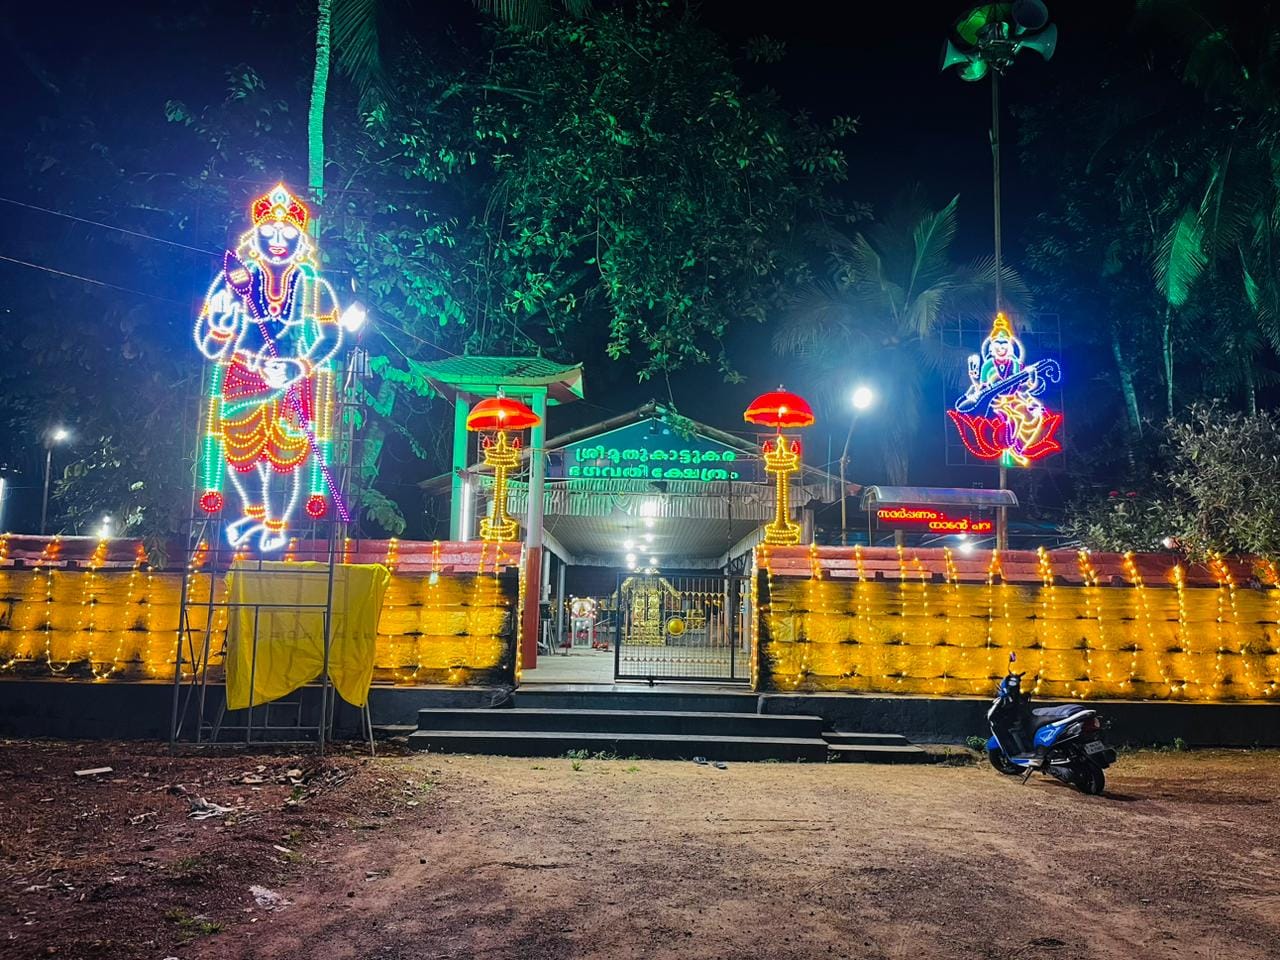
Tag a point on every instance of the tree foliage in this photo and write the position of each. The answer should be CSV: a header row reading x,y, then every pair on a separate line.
x,y
1213,494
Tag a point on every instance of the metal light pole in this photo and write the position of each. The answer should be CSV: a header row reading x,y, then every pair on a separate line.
x,y
56,435
985,40
863,397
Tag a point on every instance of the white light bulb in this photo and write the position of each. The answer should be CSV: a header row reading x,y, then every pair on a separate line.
x,y
863,397
628,544
653,561
353,318
631,558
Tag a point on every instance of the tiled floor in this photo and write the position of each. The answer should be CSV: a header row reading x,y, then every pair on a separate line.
x,y
578,666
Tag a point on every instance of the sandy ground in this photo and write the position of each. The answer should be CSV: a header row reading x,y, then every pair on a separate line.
x,y
460,857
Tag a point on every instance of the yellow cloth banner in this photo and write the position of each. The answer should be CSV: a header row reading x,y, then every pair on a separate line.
x,y
286,602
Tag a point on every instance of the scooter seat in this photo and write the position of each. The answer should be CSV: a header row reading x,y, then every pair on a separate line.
x,y
1047,715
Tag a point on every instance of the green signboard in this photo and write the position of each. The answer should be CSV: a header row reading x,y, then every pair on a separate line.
x,y
648,450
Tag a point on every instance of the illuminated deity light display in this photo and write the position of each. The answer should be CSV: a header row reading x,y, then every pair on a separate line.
x,y
779,409
271,327
1001,417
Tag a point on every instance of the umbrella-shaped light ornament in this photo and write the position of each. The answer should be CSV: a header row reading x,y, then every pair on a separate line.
x,y
780,409
497,415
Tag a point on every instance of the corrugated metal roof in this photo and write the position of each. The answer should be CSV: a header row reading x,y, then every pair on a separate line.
x,y
952,496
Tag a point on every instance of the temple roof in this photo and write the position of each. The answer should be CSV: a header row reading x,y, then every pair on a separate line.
x,y
473,377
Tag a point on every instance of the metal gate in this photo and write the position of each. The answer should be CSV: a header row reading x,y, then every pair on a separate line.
x,y
681,627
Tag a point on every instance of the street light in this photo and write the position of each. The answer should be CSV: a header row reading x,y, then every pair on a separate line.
x,y
57,435
863,397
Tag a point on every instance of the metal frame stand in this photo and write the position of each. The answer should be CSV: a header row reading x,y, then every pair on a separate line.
x,y
199,714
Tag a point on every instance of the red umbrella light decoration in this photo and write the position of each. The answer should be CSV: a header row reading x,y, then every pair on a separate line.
x,y
498,415
781,409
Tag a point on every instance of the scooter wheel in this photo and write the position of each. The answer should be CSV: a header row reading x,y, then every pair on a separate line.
x,y
1090,779
1002,763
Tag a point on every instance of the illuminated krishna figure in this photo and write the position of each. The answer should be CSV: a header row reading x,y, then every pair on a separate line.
x,y
272,328
1001,415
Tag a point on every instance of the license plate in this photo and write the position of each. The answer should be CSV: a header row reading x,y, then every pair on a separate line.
x,y
1094,746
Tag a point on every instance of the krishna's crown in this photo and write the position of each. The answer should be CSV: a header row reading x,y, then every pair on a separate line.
x,y
279,204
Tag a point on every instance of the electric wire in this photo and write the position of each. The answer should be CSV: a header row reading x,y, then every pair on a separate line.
x,y
98,283
107,226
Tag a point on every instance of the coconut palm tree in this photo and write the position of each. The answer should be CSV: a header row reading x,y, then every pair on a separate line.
x,y
878,316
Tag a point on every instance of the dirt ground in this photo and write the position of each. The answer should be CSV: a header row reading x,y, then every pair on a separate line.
x,y
459,857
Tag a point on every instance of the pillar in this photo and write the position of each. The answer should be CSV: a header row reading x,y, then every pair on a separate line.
x,y
458,489
560,598
533,531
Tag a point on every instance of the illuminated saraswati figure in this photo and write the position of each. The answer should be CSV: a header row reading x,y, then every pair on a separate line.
x,y
272,328
1001,415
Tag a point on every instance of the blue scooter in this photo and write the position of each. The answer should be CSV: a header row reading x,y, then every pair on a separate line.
x,y
1064,742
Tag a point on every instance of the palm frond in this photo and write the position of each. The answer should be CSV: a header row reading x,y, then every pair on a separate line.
x,y
931,241
922,312
1229,203
530,14
1180,258
973,292
816,312
356,41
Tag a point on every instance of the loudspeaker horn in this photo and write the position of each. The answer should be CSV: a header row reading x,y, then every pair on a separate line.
x,y
1030,15
953,56
1043,43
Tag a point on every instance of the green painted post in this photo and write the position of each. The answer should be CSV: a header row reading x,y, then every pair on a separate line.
x,y
461,408
537,469
533,530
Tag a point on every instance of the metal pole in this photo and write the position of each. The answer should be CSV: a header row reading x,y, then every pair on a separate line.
x,y
844,516
995,177
560,609
1002,513
48,467
844,459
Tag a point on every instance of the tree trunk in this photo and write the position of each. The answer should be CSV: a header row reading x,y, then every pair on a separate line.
x,y
1250,388
1167,351
315,115
1126,385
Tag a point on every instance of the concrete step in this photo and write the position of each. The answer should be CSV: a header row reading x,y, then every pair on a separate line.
x,y
543,743
867,739
668,698
690,723
877,753
389,731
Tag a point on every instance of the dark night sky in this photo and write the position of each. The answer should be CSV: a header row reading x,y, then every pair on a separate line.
x,y
916,126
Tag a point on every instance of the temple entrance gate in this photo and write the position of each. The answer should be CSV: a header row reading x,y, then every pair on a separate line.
x,y
681,627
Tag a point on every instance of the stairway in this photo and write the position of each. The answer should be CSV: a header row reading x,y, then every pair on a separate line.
x,y
874,748
670,724
658,734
